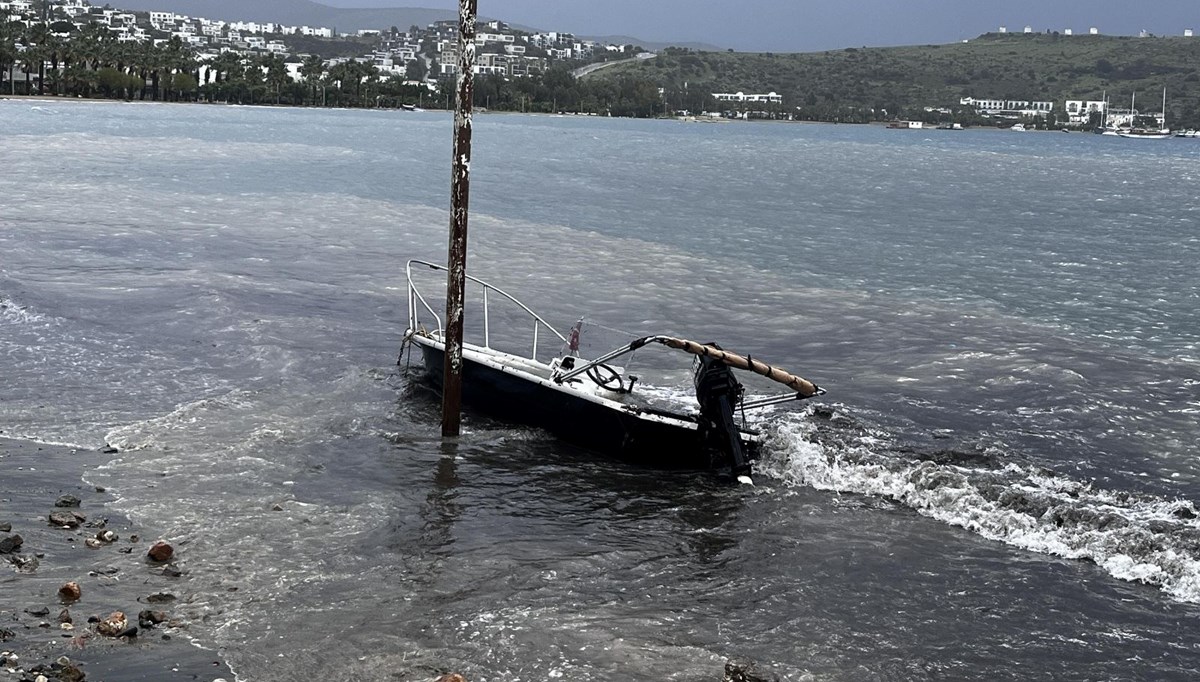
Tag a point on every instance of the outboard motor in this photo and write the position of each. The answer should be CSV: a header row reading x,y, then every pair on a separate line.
x,y
718,391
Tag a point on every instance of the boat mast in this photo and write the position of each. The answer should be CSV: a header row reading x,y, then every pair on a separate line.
x,y
1164,118
456,266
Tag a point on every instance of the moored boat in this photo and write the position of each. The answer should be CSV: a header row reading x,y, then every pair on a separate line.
x,y
595,403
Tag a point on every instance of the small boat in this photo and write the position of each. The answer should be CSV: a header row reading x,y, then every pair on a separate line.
x,y
594,403
1145,134
1018,127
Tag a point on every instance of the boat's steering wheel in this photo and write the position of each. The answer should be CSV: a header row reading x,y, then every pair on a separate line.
x,y
606,377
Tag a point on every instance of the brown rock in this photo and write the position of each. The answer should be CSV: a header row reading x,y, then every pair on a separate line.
x,y
66,519
10,543
151,617
451,677
71,673
113,625
70,592
161,551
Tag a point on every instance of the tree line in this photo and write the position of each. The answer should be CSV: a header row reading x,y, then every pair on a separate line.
x,y
37,59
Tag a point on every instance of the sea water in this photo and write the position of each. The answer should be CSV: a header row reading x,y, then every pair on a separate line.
x,y
1000,483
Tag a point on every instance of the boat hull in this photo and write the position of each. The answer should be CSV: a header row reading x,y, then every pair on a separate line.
x,y
641,438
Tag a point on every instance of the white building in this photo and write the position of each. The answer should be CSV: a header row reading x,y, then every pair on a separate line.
x,y
1007,107
770,97
1080,111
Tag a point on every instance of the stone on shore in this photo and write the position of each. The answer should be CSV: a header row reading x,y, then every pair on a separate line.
x,y
744,672
451,677
148,619
161,551
67,519
67,501
70,592
5,527
114,625
10,543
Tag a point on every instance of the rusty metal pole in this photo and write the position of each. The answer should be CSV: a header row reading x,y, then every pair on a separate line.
x,y
456,277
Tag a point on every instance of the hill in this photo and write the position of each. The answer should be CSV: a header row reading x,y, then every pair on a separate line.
x,y
904,79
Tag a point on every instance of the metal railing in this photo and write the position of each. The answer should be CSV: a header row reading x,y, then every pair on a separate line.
x,y
416,301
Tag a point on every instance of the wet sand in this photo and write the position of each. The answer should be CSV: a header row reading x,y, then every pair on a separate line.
x,y
112,576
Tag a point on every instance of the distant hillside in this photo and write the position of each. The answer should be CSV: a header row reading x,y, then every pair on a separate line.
x,y
295,13
1008,66
650,45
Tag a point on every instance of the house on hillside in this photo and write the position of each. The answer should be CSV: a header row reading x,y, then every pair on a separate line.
x,y
770,98
1079,112
1007,108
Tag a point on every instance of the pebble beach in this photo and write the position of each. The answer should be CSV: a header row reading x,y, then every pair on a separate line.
x,y
62,582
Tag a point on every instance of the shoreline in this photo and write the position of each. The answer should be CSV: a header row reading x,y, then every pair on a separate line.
x,y
112,576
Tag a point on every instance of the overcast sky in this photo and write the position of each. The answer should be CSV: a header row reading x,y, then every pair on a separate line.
x,y
803,25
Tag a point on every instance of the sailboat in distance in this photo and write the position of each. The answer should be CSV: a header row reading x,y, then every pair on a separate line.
x,y
1162,132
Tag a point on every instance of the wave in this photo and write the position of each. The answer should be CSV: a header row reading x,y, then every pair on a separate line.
x,y
14,313
1134,537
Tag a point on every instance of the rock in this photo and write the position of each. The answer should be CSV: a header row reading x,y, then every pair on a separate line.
x,y
113,625
131,631
10,543
101,489
451,677
67,501
126,550
5,526
24,563
70,592
277,507
108,450
69,672
161,551
148,618
93,543
6,634
67,519
64,616
172,571
107,536
744,672
160,598
38,612
133,538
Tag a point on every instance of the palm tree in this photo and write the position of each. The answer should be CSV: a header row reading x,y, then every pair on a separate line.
x,y
368,82
311,71
8,51
173,58
276,74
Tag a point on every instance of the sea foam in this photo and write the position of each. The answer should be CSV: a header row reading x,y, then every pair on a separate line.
x,y
1134,537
